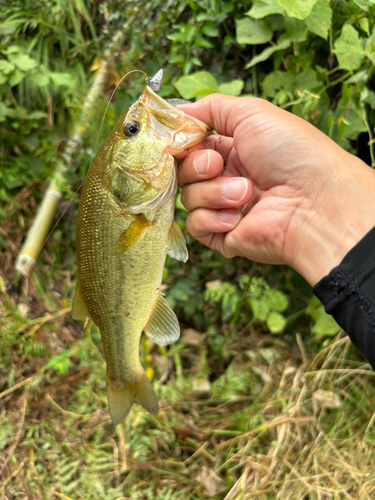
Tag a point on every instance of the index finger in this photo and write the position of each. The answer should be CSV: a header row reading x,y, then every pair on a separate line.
x,y
223,113
222,145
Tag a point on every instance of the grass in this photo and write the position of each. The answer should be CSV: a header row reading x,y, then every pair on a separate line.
x,y
251,416
274,425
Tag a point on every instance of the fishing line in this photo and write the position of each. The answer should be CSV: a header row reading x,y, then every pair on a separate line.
x,y
81,183
110,99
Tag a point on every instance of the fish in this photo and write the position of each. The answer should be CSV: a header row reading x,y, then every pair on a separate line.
x,y
125,229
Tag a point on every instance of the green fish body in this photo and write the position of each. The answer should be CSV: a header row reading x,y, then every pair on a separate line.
x,y
125,228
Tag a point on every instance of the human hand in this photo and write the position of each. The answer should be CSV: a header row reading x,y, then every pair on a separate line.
x,y
273,188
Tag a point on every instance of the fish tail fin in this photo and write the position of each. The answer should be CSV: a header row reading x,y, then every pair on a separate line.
x,y
121,399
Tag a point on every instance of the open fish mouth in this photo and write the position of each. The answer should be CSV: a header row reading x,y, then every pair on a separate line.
x,y
186,131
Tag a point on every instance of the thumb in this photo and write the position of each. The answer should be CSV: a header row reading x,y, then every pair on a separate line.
x,y
223,113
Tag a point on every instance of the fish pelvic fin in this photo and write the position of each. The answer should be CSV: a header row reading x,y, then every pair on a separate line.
x,y
163,327
121,399
176,244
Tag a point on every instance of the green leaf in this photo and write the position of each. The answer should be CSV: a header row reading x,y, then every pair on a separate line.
x,y
198,84
260,308
266,53
16,77
342,126
319,20
36,166
368,97
253,31
364,4
353,118
209,29
65,79
189,31
39,80
22,61
275,322
277,300
12,49
199,41
300,9
228,7
370,48
325,325
263,8
37,115
363,23
178,58
176,37
196,61
186,67
295,30
3,79
231,88
5,111
307,80
7,29
276,81
6,67
348,48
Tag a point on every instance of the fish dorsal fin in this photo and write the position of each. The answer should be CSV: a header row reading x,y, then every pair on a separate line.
x,y
163,327
176,244
133,234
79,308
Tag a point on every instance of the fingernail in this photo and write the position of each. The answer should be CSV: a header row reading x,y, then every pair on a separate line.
x,y
235,189
201,163
230,215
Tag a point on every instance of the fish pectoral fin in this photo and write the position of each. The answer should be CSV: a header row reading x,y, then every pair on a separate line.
x,y
133,234
176,244
79,308
162,327
121,399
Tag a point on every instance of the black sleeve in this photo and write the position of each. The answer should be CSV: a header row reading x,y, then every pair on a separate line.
x,y
348,293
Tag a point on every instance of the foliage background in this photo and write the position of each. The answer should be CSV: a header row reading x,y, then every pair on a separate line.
x,y
245,413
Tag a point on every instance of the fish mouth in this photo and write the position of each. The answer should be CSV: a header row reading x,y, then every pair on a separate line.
x,y
185,130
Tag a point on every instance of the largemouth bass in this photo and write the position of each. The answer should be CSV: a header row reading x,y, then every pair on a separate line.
x,y
125,228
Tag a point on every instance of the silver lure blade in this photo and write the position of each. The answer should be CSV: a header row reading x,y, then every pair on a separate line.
x,y
155,81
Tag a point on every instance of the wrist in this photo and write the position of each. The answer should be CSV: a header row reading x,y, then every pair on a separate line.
x,y
342,214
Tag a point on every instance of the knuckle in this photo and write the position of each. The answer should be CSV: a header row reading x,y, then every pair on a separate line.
x,y
190,225
184,195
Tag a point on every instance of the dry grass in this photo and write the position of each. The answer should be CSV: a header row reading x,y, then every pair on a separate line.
x,y
270,427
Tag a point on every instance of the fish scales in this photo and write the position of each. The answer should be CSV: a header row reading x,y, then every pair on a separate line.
x,y
125,228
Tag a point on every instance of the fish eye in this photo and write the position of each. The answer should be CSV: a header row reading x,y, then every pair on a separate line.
x,y
131,129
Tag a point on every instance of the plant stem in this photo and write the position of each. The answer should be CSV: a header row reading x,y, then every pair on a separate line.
x,y
371,135
40,230
239,306
255,75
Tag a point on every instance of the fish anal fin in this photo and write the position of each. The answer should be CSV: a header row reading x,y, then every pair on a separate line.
x,y
176,244
121,399
135,232
79,308
162,327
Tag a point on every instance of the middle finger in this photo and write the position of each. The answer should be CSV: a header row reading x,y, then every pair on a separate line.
x,y
200,165
222,192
